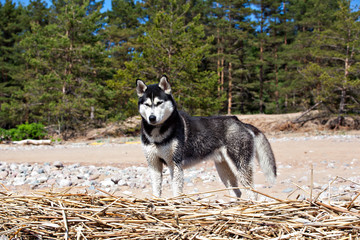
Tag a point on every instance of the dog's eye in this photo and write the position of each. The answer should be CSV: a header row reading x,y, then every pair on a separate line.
x,y
148,105
158,103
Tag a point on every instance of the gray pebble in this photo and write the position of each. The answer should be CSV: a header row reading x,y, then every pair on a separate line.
x,y
287,190
13,167
75,179
122,182
303,179
58,164
65,183
51,181
3,175
331,165
42,178
94,176
107,183
19,181
76,165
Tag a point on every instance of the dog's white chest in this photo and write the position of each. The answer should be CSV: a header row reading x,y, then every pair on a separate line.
x,y
166,152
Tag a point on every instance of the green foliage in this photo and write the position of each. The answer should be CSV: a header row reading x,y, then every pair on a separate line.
x,y
122,29
176,48
4,134
69,65
332,76
13,24
24,131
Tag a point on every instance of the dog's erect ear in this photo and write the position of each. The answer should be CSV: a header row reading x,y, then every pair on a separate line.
x,y
140,87
165,85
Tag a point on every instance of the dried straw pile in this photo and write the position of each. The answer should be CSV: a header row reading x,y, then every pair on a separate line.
x,y
84,216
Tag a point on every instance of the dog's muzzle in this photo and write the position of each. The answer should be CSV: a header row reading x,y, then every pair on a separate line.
x,y
152,118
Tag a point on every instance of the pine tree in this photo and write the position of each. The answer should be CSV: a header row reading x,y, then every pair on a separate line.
x,y
67,67
13,24
279,35
176,48
122,29
235,38
262,13
336,59
38,12
307,17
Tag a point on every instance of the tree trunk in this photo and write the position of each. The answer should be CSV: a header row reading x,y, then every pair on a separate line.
x,y
342,101
65,71
276,83
218,62
222,68
261,77
230,90
230,74
32,142
285,67
346,74
284,11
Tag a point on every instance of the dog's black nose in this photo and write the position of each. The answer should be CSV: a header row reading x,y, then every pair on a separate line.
x,y
152,118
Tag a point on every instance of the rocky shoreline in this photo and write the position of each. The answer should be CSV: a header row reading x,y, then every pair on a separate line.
x,y
51,175
110,179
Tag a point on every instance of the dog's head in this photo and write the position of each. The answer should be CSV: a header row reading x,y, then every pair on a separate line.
x,y
155,101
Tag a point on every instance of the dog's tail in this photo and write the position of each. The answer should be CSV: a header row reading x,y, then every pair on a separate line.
x,y
265,155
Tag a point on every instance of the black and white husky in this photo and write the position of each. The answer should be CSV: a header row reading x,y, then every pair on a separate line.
x,y
173,138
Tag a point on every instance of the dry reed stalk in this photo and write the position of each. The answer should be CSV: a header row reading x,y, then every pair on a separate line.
x,y
312,182
349,206
82,216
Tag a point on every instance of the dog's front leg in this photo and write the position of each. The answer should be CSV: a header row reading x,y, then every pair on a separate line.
x,y
177,178
156,167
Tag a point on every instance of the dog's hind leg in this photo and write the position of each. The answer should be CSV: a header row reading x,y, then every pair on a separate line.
x,y
228,177
242,171
245,176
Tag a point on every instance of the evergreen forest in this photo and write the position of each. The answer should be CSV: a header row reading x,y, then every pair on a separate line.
x,y
68,64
